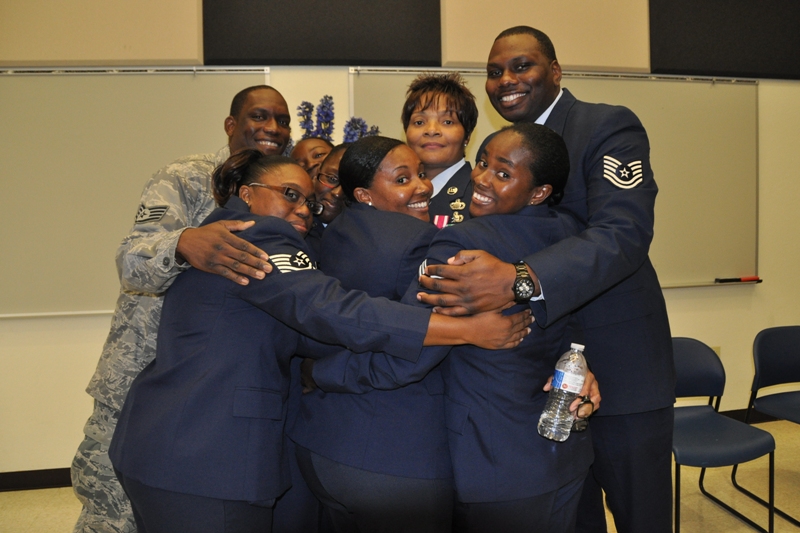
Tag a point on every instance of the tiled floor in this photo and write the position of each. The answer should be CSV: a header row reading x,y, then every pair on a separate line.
x,y
38,511
55,510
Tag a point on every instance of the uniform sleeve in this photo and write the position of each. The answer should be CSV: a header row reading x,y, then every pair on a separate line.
x,y
358,373
362,372
169,204
316,305
413,256
620,198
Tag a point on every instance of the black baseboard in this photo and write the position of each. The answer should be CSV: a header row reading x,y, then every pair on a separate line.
x,y
35,479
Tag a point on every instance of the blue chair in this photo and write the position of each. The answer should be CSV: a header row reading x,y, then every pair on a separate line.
x,y
704,438
776,354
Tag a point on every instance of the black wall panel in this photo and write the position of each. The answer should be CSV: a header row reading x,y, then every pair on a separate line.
x,y
313,32
736,38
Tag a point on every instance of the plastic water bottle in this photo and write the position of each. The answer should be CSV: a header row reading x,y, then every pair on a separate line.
x,y
556,420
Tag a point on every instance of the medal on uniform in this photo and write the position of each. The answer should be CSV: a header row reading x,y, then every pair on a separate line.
x,y
458,205
452,191
457,217
440,221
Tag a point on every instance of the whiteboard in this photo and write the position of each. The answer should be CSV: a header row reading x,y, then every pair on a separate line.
x,y
77,147
75,152
703,136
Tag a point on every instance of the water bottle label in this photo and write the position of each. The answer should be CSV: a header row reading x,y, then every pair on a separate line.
x,y
568,382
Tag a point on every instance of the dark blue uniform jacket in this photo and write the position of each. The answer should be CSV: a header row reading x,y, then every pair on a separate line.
x,y
206,417
399,432
493,399
604,273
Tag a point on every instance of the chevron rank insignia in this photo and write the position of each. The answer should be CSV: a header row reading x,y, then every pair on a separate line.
x,y
150,214
623,175
292,262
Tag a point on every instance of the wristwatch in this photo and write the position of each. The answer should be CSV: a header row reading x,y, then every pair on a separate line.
x,y
523,284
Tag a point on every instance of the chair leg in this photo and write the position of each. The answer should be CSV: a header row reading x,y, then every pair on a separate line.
x,y
756,499
771,508
677,498
731,510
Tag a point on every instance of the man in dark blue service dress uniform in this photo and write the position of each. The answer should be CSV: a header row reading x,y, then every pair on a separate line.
x,y
604,274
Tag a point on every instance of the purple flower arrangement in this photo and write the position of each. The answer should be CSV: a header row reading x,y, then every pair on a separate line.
x,y
354,129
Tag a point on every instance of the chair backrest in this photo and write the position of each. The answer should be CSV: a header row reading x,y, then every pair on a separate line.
x,y
776,354
698,370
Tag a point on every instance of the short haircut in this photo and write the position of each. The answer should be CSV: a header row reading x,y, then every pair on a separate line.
x,y
325,141
545,44
336,149
238,101
549,157
427,88
360,163
242,168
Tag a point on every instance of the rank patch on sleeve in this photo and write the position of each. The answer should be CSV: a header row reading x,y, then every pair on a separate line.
x,y
150,214
292,262
624,176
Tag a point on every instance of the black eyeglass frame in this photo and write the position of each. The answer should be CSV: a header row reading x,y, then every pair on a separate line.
x,y
326,182
316,208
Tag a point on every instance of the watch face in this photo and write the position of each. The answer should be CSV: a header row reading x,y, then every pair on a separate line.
x,y
523,289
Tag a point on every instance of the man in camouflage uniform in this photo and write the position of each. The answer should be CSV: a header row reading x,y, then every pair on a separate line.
x,y
165,241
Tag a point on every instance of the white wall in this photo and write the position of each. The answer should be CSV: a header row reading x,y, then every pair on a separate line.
x,y
730,316
45,365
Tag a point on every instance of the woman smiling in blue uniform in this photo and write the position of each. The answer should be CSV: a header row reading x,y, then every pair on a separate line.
x,y
379,461
507,477
199,444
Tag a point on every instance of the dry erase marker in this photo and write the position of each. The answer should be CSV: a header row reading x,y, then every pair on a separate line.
x,y
738,280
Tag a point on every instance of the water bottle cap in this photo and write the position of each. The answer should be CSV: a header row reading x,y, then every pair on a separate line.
x,y
576,346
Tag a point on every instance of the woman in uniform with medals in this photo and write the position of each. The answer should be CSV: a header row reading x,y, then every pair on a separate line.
x,y
439,116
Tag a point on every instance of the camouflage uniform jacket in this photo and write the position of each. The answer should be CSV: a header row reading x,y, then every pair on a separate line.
x,y
177,197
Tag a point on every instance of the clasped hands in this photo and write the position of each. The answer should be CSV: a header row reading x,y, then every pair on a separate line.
x,y
473,281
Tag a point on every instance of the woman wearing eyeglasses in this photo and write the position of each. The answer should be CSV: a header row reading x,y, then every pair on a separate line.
x,y
379,461
329,193
199,443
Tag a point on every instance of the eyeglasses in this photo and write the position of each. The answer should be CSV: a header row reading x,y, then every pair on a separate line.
x,y
293,197
329,180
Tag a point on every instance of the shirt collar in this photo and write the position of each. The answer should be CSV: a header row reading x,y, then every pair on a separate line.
x,y
441,180
543,117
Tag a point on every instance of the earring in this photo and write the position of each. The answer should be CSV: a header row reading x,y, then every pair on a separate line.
x,y
369,204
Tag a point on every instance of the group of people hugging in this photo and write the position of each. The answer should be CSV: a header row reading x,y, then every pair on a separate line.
x,y
359,338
